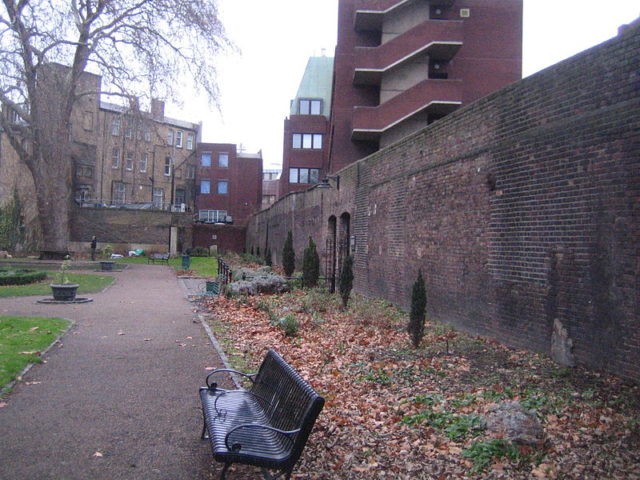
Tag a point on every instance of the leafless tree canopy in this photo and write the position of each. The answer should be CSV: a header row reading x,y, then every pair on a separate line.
x,y
141,48
144,47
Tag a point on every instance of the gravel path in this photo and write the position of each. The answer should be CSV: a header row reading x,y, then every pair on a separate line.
x,y
117,398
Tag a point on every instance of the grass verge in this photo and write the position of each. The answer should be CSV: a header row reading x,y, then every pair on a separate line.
x,y
201,266
22,340
88,284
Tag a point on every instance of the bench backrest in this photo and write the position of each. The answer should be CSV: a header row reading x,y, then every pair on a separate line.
x,y
289,401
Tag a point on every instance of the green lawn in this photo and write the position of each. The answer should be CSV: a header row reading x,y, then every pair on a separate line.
x,y
88,284
202,266
21,341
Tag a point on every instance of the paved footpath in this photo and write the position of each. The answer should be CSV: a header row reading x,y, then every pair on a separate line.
x,y
118,398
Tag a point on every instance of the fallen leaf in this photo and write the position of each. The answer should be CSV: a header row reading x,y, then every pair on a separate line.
x,y
98,454
3,404
33,329
120,332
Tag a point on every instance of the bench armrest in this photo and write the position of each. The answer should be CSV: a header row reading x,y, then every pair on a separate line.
x,y
236,447
213,386
229,392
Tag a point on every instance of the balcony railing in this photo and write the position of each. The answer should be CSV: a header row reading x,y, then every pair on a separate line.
x,y
438,39
435,96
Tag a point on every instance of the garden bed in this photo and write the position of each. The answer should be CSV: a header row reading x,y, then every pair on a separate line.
x,y
397,412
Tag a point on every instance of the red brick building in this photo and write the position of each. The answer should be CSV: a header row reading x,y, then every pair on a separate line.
x,y
228,184
306,131
402,64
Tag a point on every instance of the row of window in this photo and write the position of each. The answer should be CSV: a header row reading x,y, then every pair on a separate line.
x,y
120,196
307,140
222,188
223,159
212,216
143,162
304,175
174,138
308,106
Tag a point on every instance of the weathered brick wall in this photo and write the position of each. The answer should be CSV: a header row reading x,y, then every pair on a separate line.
x,y
126,229
521,209
227,238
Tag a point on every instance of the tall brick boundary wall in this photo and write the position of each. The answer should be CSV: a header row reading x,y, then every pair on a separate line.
x,y
522,210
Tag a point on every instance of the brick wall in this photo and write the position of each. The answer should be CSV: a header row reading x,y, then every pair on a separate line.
x,y
520,209
227,238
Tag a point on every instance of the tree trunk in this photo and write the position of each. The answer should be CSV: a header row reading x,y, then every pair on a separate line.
x,y
53,184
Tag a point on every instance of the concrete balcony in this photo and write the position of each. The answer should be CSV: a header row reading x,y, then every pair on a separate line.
x,y
438,39
370,13
437,97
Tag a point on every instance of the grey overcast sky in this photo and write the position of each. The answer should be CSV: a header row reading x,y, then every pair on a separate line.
x,y
277,37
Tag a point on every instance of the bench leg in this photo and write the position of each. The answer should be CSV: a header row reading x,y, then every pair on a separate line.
x,y
267,476
224,471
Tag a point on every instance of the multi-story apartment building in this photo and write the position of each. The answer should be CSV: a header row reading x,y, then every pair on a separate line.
x,y
402,64
229,184
146,160
306,131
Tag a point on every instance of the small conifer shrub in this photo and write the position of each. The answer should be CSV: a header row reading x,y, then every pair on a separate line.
x,y
288,256
418,309
310,265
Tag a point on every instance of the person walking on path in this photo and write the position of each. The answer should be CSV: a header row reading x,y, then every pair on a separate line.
x,y
94,244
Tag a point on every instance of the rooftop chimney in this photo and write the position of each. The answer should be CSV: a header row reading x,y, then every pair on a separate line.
x,y
157,109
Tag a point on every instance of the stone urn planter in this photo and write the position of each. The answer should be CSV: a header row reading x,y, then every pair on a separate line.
x,y
65,292
107,266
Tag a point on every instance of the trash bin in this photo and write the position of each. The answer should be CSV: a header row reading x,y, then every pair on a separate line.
x,y
186,262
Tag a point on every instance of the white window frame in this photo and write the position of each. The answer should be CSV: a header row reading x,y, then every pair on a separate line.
x,y
212,216
297,174
178,138
169,137
225,163
307,141
129,161
146,133
226,187
119,193
191,172
158,198
204,155
143,162
190,138
115,158
203,184
168,165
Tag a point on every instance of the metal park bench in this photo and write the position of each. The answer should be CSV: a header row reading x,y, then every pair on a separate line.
x,y
267,425
159,257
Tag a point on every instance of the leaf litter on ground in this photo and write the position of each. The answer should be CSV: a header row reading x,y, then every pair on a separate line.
x,y
393,411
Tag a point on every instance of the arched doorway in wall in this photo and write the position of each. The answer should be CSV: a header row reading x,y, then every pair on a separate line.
x,y
330,253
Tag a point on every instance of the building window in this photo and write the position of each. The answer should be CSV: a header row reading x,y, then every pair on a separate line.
x,y
438,69
128,131
146,133
205,160
144,160
119,193
223,160
205,186
158,198
307,141
129,161
115,158
170,137
191,172
83,194
115,126
212,216
310,107
181,196
223,187
84,171
167,166
179,139
304,175
190,141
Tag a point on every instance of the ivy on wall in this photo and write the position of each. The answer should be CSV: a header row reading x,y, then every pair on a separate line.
x,y
12,231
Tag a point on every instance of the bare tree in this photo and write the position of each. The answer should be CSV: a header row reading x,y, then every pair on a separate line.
x,y
139,47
